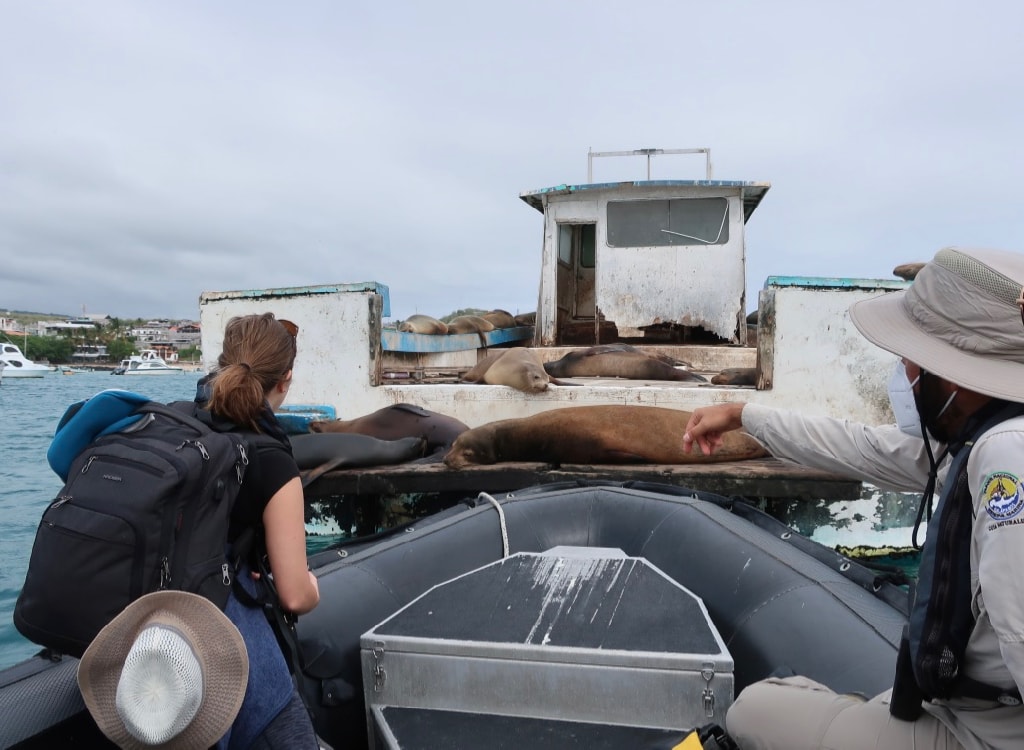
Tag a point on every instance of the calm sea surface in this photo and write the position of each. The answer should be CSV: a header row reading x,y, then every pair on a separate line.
x,y
30,409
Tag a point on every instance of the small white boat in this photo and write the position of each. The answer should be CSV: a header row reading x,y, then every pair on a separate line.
x,y
17,365
148,363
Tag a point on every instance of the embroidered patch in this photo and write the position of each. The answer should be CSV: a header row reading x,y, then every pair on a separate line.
x,y
1002,495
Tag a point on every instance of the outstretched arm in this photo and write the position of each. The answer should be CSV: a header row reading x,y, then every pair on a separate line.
x,y
708,424
284,523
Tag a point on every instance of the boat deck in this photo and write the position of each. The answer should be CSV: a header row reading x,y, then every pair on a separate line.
x,y
765,478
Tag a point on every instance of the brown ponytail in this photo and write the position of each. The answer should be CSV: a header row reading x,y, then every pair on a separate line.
x,y
257,354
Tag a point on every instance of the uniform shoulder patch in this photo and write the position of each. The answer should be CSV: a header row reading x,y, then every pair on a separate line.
x,y
1002,495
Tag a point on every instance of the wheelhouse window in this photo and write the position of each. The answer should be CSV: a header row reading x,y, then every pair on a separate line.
x,y
678,221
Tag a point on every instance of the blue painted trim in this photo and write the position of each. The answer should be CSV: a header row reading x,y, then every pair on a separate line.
x,y
751,192
306,291
832,282
397,341
295,418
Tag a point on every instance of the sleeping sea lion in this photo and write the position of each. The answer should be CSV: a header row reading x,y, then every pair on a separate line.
x,y
422,324
619,361
613,434
469,324
326,452
399,421
520,368
499,319
907,271
526,319
736,376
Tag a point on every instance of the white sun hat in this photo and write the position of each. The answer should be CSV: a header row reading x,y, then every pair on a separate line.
x,y
168,672
959,319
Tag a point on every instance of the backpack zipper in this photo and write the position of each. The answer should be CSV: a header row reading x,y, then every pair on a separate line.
x,y
241,463
61,499
165,572
198,446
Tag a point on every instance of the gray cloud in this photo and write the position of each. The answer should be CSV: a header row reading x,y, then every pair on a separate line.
x,y
149,152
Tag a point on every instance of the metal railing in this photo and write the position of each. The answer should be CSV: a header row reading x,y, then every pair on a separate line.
x,y
649,152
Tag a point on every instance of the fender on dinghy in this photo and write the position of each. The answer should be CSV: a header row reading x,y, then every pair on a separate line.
x,y
780,607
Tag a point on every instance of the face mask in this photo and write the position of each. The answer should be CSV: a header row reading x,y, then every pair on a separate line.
x,y
901,398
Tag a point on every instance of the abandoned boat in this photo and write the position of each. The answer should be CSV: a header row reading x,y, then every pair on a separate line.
x,y
659,265
628,613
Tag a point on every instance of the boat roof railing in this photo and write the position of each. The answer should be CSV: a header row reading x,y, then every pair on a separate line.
x,y
751,192
649,152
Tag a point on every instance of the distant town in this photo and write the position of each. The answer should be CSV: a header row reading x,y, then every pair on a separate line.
x,y
97,339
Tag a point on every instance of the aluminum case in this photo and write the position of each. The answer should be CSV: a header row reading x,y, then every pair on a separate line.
x,y
575,634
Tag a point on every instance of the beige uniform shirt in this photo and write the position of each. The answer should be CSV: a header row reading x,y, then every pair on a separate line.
x,y
891,460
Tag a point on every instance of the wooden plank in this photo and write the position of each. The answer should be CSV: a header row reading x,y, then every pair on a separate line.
x,y
758,478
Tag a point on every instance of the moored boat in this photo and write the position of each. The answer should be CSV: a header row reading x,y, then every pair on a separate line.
x,y
147,362
17,365
655,265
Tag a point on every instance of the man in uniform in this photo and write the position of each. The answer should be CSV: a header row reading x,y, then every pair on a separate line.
x,y
959,333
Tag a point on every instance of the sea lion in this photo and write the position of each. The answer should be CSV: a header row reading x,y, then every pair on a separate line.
x,y
736,376
907,271
469,324
499,319
314,449
520,368
619,361
612,434
526,319
422,324
327,452
399,421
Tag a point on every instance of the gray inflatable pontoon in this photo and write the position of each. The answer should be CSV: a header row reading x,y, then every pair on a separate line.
x,y
781,604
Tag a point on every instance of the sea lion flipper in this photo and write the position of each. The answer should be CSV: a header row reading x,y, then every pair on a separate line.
x,y
308,477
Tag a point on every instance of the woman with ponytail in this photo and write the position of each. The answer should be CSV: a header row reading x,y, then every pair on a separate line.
x,y
253,374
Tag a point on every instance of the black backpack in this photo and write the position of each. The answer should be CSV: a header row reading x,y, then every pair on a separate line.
x,y
144,508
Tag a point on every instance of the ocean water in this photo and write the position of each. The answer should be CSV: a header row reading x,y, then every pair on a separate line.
x,y
30,409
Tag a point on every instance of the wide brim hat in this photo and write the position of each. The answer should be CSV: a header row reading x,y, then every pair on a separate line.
x,y
959,319
197,628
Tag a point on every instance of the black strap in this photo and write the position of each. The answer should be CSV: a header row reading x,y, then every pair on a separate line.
x,y
968,688
283,622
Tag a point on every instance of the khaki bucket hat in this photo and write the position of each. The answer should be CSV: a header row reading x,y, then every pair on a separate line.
x,y
169,671
959,319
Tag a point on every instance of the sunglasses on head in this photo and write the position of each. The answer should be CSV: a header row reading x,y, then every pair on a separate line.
x,y
293,330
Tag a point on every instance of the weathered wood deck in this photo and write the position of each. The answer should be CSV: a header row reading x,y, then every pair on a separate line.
x,y
766,478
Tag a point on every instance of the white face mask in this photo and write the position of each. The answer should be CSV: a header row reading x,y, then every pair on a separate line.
x,y
901,398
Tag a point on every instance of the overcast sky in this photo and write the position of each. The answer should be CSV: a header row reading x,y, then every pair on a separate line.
x,y
150,151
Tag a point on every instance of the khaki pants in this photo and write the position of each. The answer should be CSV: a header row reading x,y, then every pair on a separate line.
x,y
795,713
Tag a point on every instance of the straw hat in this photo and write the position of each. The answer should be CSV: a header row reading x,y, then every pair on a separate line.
x,y
959,319
170,671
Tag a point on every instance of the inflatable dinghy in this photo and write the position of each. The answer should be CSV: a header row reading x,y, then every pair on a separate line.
x,y
622,612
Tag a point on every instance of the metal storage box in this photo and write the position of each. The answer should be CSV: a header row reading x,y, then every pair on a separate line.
x,y
570,635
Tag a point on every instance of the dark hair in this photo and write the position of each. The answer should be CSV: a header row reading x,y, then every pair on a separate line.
x,y
257,354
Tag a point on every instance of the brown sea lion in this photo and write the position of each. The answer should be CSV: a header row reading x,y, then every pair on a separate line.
x,y
399,421
469,324
619,361
526,319
422,324
520,368
736,376
907,271
499,319
613,434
